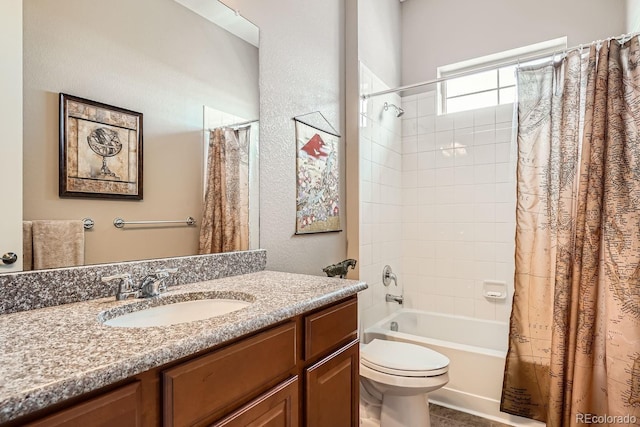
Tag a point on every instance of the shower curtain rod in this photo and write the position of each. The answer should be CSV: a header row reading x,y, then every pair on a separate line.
x,y
621,37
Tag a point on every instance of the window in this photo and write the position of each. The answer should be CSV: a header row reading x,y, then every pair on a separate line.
x,y
493,86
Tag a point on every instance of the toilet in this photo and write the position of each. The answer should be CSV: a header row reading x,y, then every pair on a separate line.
x,y
400,375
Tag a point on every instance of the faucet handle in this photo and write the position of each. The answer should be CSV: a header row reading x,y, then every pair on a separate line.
x,y
162,274
153,284
125,280
107,279
388,275
125,287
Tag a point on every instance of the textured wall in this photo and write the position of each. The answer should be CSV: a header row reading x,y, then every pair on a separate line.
x,y
158,58
301,70
441,32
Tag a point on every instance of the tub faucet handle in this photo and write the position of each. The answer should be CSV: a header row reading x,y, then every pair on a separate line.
x,y
388,275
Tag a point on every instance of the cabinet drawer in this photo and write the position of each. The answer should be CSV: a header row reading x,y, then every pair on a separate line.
x,y
328,328
198,389
120,407
278,407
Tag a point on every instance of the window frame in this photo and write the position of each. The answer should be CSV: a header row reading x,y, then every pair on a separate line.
x,y
490,63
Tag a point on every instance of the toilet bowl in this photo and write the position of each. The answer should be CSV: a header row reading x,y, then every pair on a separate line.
x,y
400,375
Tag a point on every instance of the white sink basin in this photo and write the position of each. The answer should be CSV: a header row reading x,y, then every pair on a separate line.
x,y
179,312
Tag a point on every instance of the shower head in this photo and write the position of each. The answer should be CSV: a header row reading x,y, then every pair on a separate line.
x,y
399,111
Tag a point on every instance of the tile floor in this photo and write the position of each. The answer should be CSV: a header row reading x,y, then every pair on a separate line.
x,y
445,417
440,416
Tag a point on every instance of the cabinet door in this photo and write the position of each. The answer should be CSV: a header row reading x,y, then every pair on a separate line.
x,y
120,408
332,389
276,408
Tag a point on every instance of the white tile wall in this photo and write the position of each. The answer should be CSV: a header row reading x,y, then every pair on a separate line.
x,y
386,162
437,203
458,207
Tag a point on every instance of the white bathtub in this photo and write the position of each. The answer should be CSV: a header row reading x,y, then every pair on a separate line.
x,y
476,349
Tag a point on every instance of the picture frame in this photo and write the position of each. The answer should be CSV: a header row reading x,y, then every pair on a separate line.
x,y
100,150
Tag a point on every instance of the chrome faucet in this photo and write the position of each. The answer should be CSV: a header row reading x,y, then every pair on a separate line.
x,y
394,298
153,284
126,288
387,276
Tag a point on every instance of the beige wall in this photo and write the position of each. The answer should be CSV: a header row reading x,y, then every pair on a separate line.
x,y
150,56
11,122
302,68
633,16
441,32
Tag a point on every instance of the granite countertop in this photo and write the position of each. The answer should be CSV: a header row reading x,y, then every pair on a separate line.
x,y
55,353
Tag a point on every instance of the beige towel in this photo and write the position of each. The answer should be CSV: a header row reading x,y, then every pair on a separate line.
x,y
27,246
58,244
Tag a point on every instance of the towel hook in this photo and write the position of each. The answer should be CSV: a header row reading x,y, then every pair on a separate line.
x,y
9,258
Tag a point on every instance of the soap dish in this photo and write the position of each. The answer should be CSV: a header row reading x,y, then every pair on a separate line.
x,y
494,289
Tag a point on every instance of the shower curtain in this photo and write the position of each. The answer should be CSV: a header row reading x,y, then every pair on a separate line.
x,y
225,218
574,344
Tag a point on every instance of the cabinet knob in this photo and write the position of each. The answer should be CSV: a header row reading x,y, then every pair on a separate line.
x,y
9,258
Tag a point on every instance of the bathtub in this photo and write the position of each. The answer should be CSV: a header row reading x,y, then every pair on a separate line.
x,y
476,349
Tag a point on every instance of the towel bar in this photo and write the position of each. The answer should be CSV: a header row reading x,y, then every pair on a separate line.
x,y
120,223
87,223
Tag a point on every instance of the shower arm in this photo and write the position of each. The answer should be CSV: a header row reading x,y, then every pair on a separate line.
x,y
399,111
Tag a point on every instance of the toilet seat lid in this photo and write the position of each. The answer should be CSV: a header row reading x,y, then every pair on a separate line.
x,y
401,358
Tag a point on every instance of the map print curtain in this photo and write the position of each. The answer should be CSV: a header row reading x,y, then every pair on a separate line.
x,y
225,218
574,345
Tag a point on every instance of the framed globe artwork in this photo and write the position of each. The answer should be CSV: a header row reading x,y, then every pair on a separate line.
x,y
100,150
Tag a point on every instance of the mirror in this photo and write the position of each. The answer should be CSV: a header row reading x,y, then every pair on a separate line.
x,y
155,57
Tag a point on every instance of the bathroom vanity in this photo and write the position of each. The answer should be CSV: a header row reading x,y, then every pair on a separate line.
x,y
290,358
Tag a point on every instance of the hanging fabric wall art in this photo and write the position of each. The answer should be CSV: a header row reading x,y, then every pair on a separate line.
x,y
318,178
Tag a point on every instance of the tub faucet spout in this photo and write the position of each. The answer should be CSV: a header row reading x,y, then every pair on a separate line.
x,y
395,298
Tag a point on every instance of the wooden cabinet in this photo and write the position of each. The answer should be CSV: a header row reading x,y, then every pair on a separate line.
x,y
332,389
277,408
301,372
120,407
325,330
200,389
